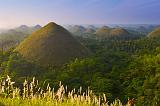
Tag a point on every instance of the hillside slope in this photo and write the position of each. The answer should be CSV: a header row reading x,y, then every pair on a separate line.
x,y
155,33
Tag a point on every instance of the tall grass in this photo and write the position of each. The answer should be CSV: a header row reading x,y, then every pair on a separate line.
x,y
32,95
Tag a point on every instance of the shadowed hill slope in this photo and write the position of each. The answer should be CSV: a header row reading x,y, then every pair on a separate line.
x,y
51,45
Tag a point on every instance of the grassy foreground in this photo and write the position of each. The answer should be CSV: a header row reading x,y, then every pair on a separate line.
x,y
32,95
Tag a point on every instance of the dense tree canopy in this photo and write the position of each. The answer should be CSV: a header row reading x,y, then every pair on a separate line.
x,y
125,68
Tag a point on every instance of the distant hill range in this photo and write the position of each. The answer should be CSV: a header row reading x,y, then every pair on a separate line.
x,y
134,29
27,29
52,45
10,38
13,37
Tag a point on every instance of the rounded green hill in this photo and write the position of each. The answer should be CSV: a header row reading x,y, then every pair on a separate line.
x,y
51,45
106,32
118,32
77,29
103,32
89,31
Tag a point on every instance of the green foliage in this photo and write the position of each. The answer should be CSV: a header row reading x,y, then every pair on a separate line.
x,y
142,79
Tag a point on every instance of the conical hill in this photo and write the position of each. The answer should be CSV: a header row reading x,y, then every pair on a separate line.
x,y
51,45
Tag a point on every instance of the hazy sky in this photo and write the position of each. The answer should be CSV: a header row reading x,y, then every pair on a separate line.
x,y
17,12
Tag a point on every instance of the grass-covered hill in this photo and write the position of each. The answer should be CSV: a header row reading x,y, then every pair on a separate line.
x,y
77,29
51,45
82,31
106,32
155,33
118,32
92,27
89,31
103,32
